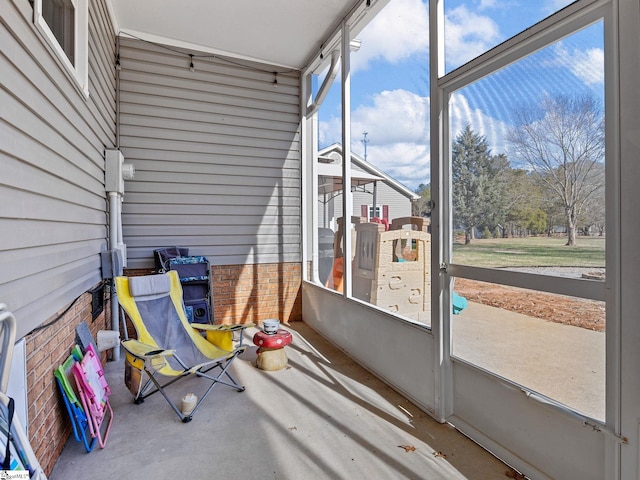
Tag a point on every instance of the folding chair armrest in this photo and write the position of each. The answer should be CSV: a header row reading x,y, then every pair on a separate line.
x,y
143,350
222,335
221,328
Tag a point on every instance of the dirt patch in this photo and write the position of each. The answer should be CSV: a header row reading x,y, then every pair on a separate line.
x,y
582,313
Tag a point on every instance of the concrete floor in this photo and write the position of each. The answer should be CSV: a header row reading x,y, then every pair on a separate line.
x,y
563,362
322,417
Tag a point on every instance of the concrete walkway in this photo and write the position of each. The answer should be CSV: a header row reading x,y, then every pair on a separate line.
x,y
560,361
322,417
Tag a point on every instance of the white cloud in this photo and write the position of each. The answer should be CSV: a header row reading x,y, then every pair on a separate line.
x,y
407,163
462,114
485,4
394,116
468,35
587,65
399,31
397,126
330,132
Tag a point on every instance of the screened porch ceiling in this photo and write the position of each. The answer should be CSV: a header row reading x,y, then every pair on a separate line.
x,y
283,33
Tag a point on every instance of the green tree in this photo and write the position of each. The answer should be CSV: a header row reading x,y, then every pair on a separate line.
x,y
561,139
422,206
523,198
478,183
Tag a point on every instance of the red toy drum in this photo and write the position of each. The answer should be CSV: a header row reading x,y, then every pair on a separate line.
x,y
280,339
271,353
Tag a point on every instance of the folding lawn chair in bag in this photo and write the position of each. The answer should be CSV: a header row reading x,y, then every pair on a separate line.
x,y
94,394
168,347
67,386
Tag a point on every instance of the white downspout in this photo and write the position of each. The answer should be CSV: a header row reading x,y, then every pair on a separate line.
x,y
116,172
114,223
120,245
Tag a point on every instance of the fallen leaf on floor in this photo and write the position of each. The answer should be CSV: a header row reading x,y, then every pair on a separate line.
x,y
439,454
511,473
292,428
408,448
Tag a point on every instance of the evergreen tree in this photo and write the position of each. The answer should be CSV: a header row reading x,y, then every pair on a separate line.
x,y
478,183
422,206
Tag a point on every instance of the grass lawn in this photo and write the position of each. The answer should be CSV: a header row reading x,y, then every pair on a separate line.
x,y
531,252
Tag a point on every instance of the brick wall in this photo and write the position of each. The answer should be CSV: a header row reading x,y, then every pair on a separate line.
x,y
46,349
253,293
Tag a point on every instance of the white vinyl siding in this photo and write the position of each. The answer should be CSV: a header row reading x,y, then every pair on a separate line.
x,y
52,141
217,157
399,205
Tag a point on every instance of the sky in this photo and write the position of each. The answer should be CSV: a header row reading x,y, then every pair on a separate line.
x,y
390,79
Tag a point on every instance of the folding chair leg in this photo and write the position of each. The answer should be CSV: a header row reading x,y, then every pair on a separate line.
x,y
152,380
224,366
215,381
102,439
238,387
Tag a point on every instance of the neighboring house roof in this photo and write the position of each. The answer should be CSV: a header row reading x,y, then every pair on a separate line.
x,y
330,178
370,169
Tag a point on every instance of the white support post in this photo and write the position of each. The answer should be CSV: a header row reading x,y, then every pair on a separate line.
x,y
347,204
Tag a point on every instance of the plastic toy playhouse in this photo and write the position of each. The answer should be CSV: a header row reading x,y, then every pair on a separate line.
x,y
391,268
